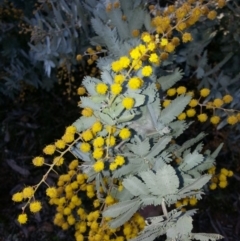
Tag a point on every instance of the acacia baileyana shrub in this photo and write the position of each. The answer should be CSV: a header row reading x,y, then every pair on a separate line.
x,y
124,147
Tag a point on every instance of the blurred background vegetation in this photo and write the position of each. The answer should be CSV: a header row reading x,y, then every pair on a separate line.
x,y
39,78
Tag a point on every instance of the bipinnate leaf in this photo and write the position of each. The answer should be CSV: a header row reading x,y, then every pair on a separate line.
x,y
167,180
190,161
123,218
174,109
119,208
197,184
135,186
168,81
151,182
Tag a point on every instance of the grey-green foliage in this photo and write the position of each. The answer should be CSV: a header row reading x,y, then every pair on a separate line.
x,y
148,176
213,57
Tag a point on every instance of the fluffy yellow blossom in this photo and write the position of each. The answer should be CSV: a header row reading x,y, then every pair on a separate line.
x,y
135,83
87,135
222,177
98,153
191,112
38,161
58,160
212,186
51,192
232,120
151,46
164,56
116,66
224,171
110,141
109,200
97,126
35,206
22,218
87,112
202,117
169,48
204,92
98,166
227,99
119,160
98,142
212,14
175,41
135,33
135,53
217,102
128,103
222,184
186,37
68,137
125,133
113,166
85,147
81,91
146,38
221,3
28,192
215,119
119,78
193,103
136,64
193,201
171,92
60,144
230,173
182,116
153,58
49,150
111,129
147,71
101,88
124,61
116,89
181,90
181,26
17,197
166,103
71,130
163,42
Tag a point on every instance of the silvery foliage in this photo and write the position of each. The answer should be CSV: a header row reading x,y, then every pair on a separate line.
x,y
223,76
148,176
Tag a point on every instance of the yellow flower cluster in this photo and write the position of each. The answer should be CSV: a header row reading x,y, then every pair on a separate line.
x,y
192,201
219,180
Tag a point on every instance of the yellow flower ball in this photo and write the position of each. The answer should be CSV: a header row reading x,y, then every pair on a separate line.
x,y
119,160
193,201
68,137
87,112
38,161
17,197
153,58
119,79
98,153
110,141
215,120
221,3
224,171
222,177
28,192
204,92
191,112
146,38
113,166
147,71
135,53
97,126
163,42
217,102
136,64
98,166
58,160
223,184
128,103
212,15
81,91
187,37
109,200
232,120
227,99
116,89
213,186
171,92
22,218
79,57
49,150
169,48
182,116
85,147
124,61
60,144
117,66
230,173
125,133
35,206
135,83
101,88
181,90
87,135
202,117
166,103
98,142
193,103
135,33
51,192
